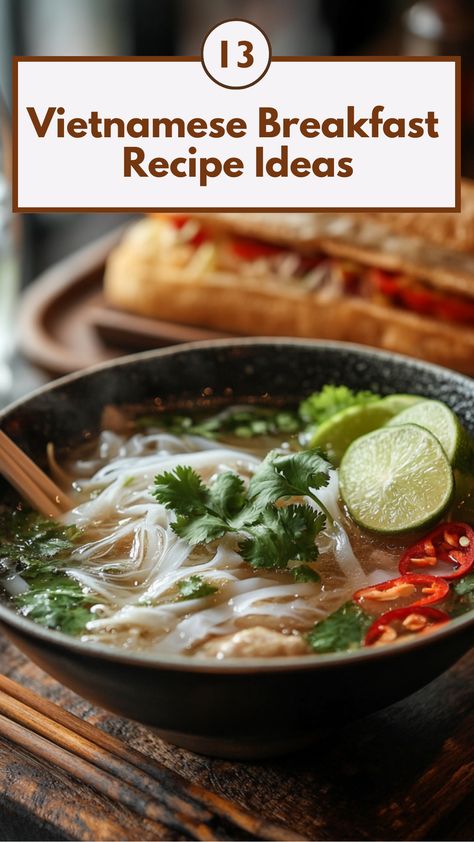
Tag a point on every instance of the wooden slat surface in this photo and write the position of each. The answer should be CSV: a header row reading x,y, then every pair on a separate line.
x,y
405,773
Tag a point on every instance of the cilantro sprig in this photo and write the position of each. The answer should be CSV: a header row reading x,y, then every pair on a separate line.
x,y
342,630
271,533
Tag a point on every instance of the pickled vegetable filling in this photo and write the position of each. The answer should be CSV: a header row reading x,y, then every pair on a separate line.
x,y
226,534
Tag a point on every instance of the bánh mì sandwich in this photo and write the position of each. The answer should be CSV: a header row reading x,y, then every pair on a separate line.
x,y
399,281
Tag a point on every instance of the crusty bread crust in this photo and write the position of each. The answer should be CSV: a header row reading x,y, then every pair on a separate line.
x,y
450,230
241,305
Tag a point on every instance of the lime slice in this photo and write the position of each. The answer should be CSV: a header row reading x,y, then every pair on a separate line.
x,y
336,434
398,402
396,479
442,422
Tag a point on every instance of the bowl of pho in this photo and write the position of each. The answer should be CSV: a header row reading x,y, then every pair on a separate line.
x,y
264,536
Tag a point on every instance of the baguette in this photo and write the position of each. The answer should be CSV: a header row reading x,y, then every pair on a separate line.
x,y
135,281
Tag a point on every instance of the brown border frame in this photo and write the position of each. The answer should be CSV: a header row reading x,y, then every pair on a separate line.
x,y
457,129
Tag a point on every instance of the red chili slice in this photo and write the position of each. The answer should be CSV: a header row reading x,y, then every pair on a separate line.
x,y
448,551
407,591
394,625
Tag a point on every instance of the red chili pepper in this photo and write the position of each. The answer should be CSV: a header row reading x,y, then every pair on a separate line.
x,y
408,591
403,622
448,551
248,249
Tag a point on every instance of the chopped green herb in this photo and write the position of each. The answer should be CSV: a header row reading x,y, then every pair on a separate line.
x,y
62,605
330,400
463,591
305,573
39,550
465,585
30,541
344,629
243,423
195,587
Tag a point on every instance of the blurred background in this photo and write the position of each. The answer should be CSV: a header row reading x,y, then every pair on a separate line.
x,y
31,243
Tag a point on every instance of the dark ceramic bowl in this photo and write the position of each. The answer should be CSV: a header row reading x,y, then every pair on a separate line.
x,y
233,709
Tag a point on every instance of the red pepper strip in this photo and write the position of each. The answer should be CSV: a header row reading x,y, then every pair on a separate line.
x,y
249,249
410,590
450,544
424,301
403,622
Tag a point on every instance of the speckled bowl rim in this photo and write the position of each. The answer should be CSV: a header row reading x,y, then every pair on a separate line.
x,y
184,663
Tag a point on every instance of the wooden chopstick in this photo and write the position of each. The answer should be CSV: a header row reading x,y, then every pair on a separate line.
x,y
30,481
99,780
105,763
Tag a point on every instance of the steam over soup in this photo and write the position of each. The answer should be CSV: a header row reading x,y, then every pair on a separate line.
x,y
253,531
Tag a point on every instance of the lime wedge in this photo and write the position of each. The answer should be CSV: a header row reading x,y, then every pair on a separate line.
x,y
398,402
442,422
336,434
396,479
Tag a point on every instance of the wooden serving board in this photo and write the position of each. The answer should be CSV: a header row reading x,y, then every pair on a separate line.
x,y
65,324
404,773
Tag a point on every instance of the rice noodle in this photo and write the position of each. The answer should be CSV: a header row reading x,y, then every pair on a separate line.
x,y
132,560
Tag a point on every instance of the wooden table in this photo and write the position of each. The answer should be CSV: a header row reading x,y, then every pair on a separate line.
x,y
404,773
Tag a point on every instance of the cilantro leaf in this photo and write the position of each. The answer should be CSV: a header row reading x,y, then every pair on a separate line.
x,y
181,490
200,528
280,536
61,604
226,495
195,587
305,573
344,629
203,512
32,542
320,406
282,476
